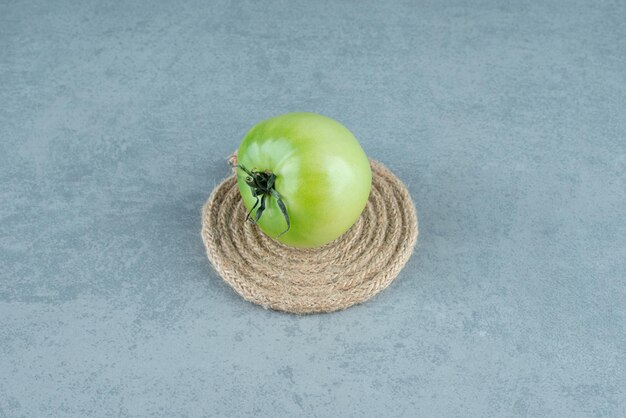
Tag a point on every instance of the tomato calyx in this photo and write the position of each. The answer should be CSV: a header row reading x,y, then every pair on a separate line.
x,y
262,186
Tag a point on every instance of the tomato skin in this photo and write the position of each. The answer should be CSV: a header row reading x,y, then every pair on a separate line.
x,y
322,175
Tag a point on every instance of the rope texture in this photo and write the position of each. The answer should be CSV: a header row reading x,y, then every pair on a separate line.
x,y
347,271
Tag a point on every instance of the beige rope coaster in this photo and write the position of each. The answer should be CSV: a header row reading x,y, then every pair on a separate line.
x,y
347,271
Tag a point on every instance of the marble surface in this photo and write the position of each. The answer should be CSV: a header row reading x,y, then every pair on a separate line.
x,y
505,119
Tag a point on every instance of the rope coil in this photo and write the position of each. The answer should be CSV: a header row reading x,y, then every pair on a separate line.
x,y
350,270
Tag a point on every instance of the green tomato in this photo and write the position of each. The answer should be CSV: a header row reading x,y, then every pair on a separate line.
x,y
305,169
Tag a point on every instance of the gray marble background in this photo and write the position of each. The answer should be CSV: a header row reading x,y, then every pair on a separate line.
x,y
506,120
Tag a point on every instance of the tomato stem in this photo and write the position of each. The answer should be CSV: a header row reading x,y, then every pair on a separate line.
x,y
262,186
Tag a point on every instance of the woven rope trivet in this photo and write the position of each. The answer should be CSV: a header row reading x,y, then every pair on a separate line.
x,y
347,271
